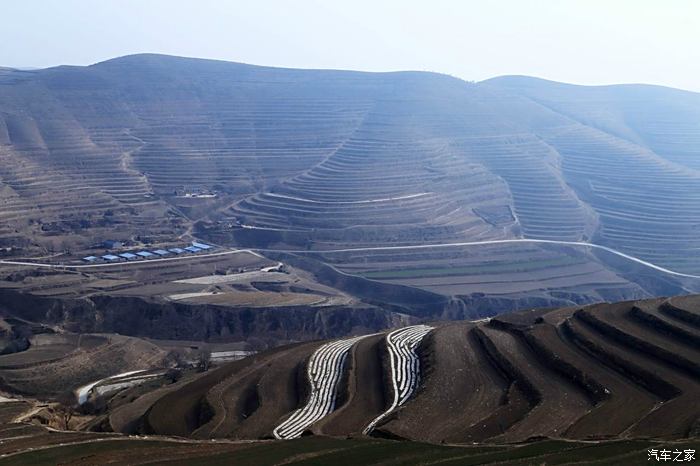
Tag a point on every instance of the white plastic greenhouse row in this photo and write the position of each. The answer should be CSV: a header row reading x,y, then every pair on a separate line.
x,y
324,372
405,367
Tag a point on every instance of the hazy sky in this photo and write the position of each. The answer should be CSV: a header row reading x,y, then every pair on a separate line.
x,y
579,41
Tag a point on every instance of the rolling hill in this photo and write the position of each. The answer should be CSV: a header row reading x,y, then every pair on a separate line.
x,y
612,371
365,237
600,384
330,170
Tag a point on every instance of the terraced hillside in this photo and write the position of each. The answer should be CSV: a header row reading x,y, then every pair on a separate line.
x,y
502,271
627,370
631,154
56,364
152,149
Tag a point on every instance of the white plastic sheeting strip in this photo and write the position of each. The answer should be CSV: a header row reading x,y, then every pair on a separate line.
x,y
324,372
405,366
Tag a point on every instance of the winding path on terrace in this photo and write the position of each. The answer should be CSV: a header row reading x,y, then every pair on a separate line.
x,y
405,367
373,248
324,372
83,392
498,241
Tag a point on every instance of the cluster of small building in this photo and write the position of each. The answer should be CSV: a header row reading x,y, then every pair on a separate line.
x,y
195,193
194,248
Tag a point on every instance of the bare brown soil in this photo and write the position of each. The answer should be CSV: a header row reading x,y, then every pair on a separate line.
x,y
364,397
596,372
458,378
65,371
216,404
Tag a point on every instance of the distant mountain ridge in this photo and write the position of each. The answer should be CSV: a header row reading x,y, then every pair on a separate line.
x,y
325,159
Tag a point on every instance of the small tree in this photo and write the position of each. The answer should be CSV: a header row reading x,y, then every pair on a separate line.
x,y
67,408
203,360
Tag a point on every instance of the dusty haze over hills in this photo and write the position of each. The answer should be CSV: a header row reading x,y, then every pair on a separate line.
x,y
369,232
540,159
163,216
579,41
